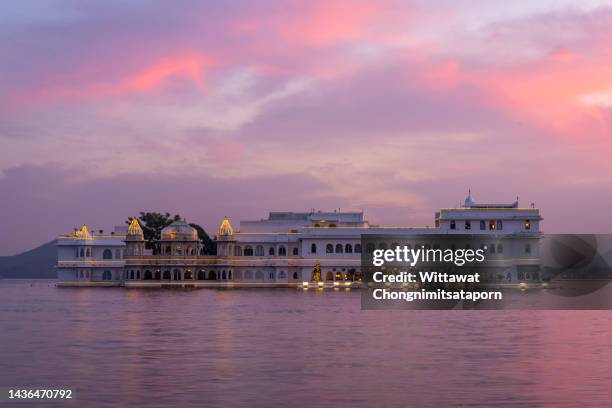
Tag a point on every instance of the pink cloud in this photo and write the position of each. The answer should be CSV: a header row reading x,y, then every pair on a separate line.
x,y
86,83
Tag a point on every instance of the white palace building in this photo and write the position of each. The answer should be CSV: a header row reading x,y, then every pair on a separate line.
x,y
287,249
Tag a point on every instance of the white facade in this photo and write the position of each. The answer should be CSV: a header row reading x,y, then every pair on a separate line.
x,y
285,248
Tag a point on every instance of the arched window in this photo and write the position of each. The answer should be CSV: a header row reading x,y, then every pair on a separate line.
x,y
357,248
158,275
131,275
313,248
527,248
248,250
117,254
295,275
500,225
201,275
229,275
148,275
82,253
338,248
295,251
138,275
107,275
271,275
282,251
329,276
223,276
259,250
339,276
271,251
348,248
237,250
212,275
177,275
492,248
77,252
188,275
88,252
500,248
167,275
107,254
329,249
483,225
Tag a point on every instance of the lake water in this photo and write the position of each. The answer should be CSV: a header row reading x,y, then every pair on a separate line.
x,y
270,347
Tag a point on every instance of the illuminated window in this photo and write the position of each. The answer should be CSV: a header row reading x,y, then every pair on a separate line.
x,y
483,225
468,225
491,225
357,248
500,225
339,248
313,248
329,249
282,251
332,225
452,225
348,248
527,224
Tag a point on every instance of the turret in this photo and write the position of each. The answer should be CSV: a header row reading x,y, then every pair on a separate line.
x,y
134,240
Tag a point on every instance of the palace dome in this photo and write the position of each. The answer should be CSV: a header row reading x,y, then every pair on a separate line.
x,y
179,231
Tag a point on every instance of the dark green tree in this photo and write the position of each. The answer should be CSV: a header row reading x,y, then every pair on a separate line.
x,y
209,247
152,223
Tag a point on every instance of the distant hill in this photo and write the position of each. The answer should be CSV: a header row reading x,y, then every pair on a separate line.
x,y
35,263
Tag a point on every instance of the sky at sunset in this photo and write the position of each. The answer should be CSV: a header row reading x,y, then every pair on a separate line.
x,y
214,108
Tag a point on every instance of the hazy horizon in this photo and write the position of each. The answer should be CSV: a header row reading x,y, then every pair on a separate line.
x,y
236,109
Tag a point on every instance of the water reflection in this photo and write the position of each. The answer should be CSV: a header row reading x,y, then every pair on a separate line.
x,y
263,348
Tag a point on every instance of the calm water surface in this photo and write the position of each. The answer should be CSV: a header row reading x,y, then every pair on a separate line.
x,y
273,347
